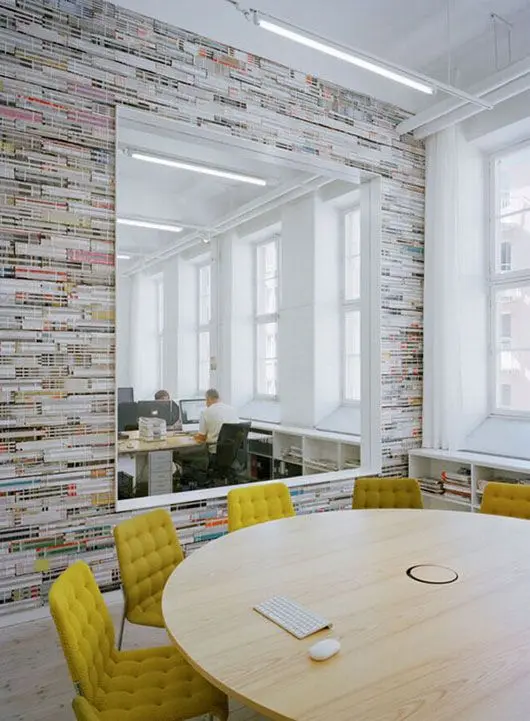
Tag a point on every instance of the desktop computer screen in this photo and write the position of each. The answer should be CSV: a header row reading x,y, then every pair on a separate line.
x,y
125,395
168,410
190,410
127,416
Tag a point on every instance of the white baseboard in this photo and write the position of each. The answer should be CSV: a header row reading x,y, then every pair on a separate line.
x,y
112,598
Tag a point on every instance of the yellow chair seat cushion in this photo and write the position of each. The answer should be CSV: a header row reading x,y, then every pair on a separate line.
x,y
154,684
148,612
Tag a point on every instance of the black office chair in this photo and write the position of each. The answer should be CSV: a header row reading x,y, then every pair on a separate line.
x,y
232,441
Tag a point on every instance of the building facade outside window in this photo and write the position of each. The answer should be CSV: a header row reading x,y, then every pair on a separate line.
x,y
203,326
266,318
351,307
509,282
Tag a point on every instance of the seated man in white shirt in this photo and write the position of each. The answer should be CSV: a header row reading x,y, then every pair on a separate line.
x,y
212,418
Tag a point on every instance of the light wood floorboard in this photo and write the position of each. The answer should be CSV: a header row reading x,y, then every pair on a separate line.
x,y
34,680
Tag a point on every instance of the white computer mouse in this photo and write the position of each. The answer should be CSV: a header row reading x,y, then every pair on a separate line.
x,y
322,650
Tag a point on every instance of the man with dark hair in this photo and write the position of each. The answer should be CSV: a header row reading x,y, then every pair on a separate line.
x,y
175,424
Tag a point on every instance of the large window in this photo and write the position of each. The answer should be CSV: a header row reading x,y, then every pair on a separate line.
x,y
510,282
351,307
203,327
266,318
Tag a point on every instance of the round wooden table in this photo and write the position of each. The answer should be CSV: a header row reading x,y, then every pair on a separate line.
x,y
410,650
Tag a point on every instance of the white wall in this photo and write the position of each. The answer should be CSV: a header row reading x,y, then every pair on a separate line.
x,y
296,323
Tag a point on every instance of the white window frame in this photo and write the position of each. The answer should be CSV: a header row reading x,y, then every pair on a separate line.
x,y
499,281
264,318
347,306
203,327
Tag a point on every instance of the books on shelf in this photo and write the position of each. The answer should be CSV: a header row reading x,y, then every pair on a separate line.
x,y
351,463
483,482
292,454
457,484
431,485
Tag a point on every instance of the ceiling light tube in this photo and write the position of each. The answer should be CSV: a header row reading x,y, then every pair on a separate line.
x,y
363,60
120,256
205,170
149,224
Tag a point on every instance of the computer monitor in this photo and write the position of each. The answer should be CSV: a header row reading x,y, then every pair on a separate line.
x,y
125,395
191,409
127,416
168,410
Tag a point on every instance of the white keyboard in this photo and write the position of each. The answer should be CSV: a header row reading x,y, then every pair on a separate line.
x,y
292,617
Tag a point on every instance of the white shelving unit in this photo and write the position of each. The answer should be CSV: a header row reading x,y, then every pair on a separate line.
x,y
311,450
425,463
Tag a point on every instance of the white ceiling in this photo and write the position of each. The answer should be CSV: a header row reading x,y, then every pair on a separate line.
x,y
155,193
412,33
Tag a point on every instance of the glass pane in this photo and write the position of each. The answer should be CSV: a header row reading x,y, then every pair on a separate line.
x,y
204,360
352,355
512,341
352,378
266,359
352,226
204,280
204,310
267,259
204,294
352,278
513,380
352,254
267,278
513,182
513,242
512,318
267,296
352,332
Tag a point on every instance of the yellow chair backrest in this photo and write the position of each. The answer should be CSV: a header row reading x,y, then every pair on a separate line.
x,y
386,493
257,504
148,551
506,499
85,627
84,711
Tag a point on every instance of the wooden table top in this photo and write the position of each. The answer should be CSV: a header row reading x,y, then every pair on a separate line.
x,y
410,651
171,443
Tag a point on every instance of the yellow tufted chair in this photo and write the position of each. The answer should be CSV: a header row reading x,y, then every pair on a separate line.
x,y
386,493
257,504
148,551
506,499
84,711
153,684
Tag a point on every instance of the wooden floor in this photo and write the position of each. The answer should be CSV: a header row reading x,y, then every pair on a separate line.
x,y
34,680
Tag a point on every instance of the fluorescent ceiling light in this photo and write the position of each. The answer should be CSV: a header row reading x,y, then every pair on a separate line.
x,y
147,224
348,57
123,257
253,180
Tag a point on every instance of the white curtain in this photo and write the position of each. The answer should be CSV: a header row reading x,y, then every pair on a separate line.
x,y
455,354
